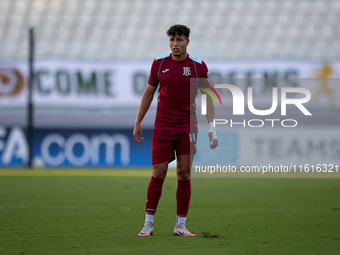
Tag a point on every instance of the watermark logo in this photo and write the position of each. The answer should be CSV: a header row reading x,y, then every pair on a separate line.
x,y
204,98
238,102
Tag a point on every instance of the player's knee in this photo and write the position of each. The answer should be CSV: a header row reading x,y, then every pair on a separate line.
x,y
183,175
159,173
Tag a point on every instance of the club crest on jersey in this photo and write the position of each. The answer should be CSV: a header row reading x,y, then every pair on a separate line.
x,y
186,71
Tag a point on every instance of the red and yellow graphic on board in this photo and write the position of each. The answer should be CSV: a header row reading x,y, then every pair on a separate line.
x,y
11,82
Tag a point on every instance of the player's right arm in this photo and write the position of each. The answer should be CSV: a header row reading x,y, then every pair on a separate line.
x,y
143,108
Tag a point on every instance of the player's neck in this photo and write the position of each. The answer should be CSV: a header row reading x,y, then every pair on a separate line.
x,y
180,57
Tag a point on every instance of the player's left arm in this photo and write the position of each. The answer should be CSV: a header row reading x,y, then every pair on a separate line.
x,y
210,110
210,118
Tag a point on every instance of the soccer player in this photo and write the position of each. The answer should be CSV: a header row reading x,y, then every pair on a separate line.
x,y
175,127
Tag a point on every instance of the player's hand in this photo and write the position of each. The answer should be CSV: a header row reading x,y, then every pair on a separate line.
x,y
138,133
214,142
212,136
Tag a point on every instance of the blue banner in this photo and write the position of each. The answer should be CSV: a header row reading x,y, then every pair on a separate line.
x,y
75,148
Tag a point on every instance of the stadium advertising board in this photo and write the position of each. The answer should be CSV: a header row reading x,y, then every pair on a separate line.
x,y
75,148
275,147
115,148
117,85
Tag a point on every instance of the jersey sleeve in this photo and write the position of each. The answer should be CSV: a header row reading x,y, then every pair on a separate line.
x,y
204,76
204,72
153,78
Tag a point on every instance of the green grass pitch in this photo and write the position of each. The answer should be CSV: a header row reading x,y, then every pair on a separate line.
x,y
103,215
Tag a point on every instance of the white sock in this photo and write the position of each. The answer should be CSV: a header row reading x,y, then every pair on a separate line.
x,y
149,218
180,220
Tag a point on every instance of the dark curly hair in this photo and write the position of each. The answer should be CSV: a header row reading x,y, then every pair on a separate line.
x,y
179,30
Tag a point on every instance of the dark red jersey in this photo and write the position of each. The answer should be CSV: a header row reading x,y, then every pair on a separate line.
x,y
176,109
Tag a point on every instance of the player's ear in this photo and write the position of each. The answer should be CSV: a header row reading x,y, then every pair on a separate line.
x,y
188,40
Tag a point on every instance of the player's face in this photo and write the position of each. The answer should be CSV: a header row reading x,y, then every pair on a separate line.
x,y
178,44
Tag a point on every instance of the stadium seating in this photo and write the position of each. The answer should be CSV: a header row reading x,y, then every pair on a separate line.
x,y
135,29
